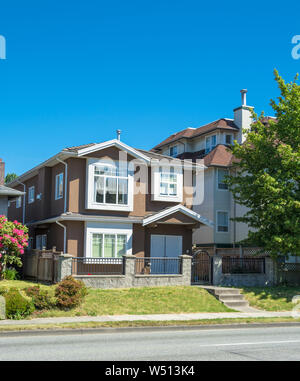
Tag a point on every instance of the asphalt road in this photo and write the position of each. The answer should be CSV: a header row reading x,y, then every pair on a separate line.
x,y
268,343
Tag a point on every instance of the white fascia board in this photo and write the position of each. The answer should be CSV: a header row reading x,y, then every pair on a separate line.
x,y
172,162
178,208
114,143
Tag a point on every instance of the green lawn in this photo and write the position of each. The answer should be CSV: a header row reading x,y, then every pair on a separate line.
x,y
271,298
135,301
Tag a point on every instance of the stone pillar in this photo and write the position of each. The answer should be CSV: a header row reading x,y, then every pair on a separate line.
x,y
2,308
186,269
129,269
64,266
217,269
270,271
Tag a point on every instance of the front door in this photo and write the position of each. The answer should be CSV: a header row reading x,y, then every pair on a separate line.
x,y
165,247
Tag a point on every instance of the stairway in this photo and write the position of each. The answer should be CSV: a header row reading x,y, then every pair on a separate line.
x,y
231,297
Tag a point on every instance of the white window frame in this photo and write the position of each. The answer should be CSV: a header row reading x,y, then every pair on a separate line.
x,y
107,228
156,180
217,222
209,147
18,202
90,202
218,182
31,194
59,178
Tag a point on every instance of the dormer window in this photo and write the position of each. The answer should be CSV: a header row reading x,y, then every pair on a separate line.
x,y
173,151
210,143
228,139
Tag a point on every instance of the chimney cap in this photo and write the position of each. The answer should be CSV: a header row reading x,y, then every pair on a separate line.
x,y
244,91
118,134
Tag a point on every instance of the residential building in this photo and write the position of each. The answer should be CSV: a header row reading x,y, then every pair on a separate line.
x,y
104,200
211,143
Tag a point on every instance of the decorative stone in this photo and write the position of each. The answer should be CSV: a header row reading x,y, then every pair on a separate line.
x,y
2,308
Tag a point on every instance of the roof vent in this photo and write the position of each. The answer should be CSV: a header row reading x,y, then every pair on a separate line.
x,y
118,134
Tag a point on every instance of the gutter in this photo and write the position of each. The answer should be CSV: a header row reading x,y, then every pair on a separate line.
x,y
65,235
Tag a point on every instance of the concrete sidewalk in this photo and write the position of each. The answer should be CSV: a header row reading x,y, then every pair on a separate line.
x,y
157,317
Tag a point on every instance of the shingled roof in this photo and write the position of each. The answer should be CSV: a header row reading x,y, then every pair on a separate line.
x,y
189,133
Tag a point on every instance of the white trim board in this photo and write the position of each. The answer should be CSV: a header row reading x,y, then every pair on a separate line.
x,y
177,208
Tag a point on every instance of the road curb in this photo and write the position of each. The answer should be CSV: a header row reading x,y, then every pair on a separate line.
x,y
83,331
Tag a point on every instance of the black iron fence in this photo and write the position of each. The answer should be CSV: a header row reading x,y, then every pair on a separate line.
x,y
243,265
97,266
164,266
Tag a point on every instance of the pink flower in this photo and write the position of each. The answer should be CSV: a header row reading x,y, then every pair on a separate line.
x,y
21,251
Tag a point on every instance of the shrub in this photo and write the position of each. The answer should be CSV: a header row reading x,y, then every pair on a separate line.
x,y
41,298
17,307
10,274
70,293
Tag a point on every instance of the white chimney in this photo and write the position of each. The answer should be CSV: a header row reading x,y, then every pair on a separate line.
x,y
242,117
118,134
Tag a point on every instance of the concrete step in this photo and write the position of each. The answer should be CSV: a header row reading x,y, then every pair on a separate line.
x,y
236,303
229,291
224,297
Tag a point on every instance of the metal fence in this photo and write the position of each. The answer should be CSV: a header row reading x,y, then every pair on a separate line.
x,y
164,266
97,266
243,265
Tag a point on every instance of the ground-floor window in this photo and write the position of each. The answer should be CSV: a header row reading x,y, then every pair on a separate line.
x,y
108,245
41,241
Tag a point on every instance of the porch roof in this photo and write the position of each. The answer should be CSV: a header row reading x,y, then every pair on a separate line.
x,y
195,217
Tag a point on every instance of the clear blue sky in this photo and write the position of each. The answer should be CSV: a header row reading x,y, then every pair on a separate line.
x,y
78,70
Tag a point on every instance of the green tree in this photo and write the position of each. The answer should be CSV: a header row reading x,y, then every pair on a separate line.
x,y
267,174
10,177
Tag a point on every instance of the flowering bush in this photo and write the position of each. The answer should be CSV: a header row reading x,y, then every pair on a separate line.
x,y
13,241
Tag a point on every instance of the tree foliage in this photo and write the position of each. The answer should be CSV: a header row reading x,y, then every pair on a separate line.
x,y
267,174
10,177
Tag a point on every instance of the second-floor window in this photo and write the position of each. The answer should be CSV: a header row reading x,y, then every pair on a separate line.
x,y
228,139
210,143
168,182
173,151
59,186
222,173
18,202
111,184
30,195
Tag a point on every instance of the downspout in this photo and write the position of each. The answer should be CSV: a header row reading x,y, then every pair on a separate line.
x,y
66,184
24,199
65,235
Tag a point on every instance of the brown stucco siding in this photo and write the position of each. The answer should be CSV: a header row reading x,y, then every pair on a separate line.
x,y
138,240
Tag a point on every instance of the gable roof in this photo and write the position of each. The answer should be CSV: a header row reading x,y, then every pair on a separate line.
x,y
190,133
177,208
